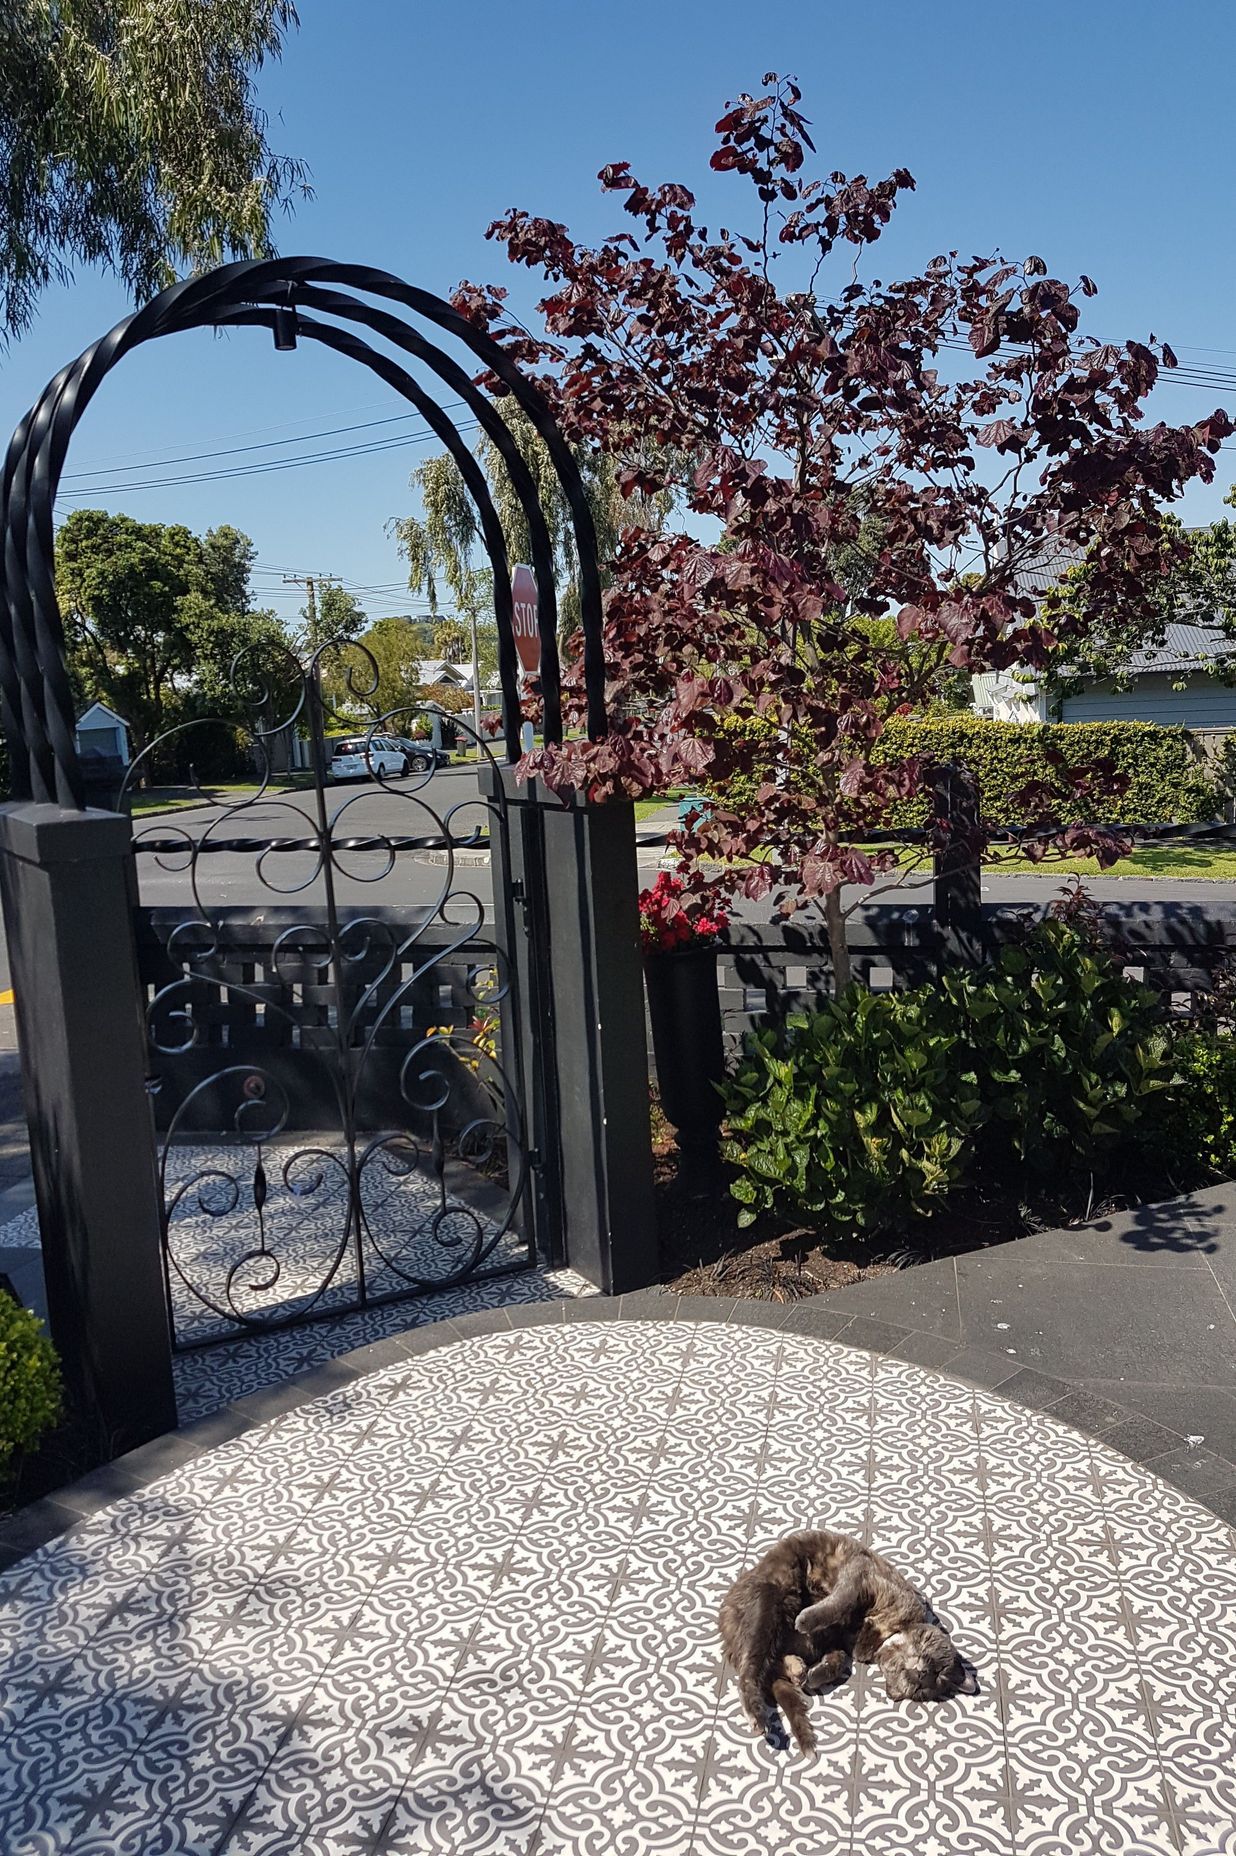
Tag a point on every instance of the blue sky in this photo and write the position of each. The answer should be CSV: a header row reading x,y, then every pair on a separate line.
x,y
1098,134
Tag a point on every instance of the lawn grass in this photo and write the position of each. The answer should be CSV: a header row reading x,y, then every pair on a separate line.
x,y
1156,862
1214,861
648,808
214,792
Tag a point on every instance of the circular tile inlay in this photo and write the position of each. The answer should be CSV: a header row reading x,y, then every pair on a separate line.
x,y
468,1605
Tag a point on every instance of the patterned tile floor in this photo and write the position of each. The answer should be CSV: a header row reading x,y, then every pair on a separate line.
x,y
466,1604
211,1236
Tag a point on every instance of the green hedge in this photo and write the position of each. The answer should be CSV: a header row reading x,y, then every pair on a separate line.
x,y
29,1381
1166,781
1045,1064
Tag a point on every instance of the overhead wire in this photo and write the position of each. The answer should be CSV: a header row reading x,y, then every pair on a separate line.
x,y
375,447
300,438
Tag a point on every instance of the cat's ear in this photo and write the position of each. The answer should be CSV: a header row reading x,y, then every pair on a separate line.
x,y
970,1682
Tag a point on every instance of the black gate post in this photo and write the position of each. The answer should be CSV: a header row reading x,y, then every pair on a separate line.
x,y
957,889
66,878
584,1038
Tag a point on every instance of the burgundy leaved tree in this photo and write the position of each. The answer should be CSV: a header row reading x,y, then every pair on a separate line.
x,y
876,463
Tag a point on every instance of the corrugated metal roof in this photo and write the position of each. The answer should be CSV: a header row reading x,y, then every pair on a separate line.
x,y
1047,568
1185,647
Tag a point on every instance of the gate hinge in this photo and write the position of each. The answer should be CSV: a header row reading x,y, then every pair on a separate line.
x,y
534,1156
518,892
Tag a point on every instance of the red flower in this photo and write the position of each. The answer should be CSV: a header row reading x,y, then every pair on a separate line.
x,y
670,919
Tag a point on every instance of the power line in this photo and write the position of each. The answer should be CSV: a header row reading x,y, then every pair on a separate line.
x,y
275,464
305,438
154,459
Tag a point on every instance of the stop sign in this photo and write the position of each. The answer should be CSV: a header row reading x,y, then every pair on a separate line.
x,y
527,631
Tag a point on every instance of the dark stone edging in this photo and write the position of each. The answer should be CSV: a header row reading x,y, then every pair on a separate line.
x,y
1203,1475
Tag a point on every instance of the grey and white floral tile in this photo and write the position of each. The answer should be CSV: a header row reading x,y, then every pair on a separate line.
x,y
302,1232
272,1242
467,1604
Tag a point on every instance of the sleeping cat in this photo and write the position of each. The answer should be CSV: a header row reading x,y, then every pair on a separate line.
x,y
815,1603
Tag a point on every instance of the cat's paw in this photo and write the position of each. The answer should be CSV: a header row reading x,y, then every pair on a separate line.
x,y
831,1669
775,1735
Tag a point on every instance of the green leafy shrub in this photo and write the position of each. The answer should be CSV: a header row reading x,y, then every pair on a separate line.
x,y
858,1113
1196,1129
1069,1053
879,1105
29,1380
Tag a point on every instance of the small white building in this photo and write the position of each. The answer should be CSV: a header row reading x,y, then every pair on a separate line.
x,y
100,731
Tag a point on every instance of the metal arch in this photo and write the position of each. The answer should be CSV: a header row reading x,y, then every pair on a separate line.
x,y
454,376
343,342
36,707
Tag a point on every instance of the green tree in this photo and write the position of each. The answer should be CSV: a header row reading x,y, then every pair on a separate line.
x,y
452,641
1198,589
130,138
227,561
335,613
154,616
394,647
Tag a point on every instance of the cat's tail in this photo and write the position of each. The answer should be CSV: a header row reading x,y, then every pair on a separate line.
x,y
767,1692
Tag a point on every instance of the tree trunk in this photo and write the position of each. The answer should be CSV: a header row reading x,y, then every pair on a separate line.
x,y
843,976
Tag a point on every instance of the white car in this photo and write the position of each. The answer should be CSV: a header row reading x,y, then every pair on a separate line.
x,y
367,757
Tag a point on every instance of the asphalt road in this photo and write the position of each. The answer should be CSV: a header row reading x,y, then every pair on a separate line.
x,y
422,808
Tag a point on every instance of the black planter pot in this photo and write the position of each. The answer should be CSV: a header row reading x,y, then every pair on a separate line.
x,y
685,1010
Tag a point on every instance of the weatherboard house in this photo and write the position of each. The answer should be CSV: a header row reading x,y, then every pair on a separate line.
x,y
102,734
1177,681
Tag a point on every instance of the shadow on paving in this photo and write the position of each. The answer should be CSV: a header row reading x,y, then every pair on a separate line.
x,y
1125,1327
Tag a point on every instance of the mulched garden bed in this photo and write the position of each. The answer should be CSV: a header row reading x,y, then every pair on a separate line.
x,y
703,1251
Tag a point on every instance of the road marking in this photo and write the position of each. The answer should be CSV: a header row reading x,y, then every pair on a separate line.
x,y
6,998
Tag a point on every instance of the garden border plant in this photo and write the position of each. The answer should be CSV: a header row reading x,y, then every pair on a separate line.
x,y
30,1387
1044,1064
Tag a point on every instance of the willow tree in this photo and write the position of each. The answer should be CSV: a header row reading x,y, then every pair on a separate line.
x,y
442,546
130,138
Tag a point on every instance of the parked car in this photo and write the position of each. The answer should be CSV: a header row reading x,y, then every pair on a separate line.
x,y
368,757
423,754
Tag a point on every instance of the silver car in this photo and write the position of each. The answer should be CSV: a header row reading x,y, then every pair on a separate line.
x,y
367,757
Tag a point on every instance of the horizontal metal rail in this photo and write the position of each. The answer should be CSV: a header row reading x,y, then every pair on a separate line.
x,y
186,846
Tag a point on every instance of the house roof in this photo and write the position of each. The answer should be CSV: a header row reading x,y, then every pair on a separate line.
x,y
1047,568
1185,646
441,670
98,711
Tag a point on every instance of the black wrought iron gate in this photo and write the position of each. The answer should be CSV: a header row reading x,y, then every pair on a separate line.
x,y
345,1105
338,1086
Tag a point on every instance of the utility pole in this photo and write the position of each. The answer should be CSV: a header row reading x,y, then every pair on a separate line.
x,y
311,583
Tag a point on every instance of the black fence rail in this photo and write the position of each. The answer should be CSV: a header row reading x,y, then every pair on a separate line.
x,y
767,972
258,987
